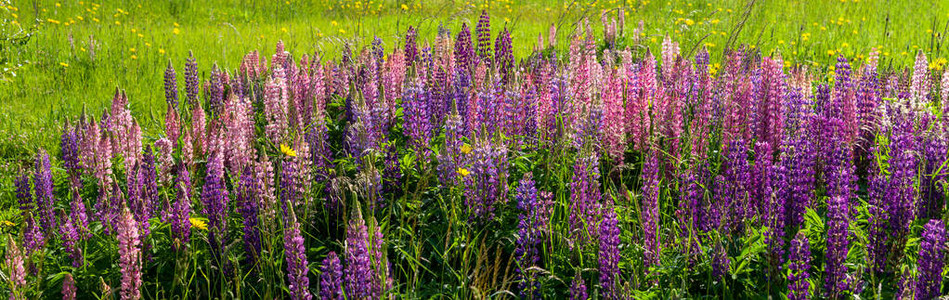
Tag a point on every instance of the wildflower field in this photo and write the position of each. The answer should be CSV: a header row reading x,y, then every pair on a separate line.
x,y
718,149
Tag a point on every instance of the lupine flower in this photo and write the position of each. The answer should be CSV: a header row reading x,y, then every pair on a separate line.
x,y
71,238
800,262
297,271
16,272
450,158
531,220
768,118
43,188
171,86
180,212
919,91
798,164
650,209
504,55
484,185
23,195
411,48
484,37
69,146
248,194
380,265
331,279
613,133
609,253
836,279
191,79
932,260
69,287
464,54
358,273
214,196
291,186
578,289
130,256
585,199
418,126
33,238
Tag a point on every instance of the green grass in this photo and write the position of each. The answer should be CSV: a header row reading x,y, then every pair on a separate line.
x,y
49,74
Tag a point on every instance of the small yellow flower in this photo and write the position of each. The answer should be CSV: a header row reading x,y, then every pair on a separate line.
x,y
64,64
176,31
286,150
198,223
284,29
52,21
176,24
161,51
465,148
405,7
7,223
118,23
463,172
134,57
132,50
342,31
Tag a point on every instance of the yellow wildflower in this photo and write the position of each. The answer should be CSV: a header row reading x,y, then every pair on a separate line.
x,y
198,223
465,148
286,150
463,172
176,31
64,64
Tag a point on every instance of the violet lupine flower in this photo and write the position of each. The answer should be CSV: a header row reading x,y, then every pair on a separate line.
x,y
464,53
392,173
737,185
836,279
531,222
295,253
291,185
321,153
331,278
411,47
16,272
485,182
180,212
23,195
934,148
381,281
171,86
69,287
43,188
845,101
800,262
578,289
609,253
905,286
33,238
585,199
877,247
248,193
504,56
69,146
358,274
484,37
71,238
214,196
450,158
191,79
130,256
798,162
650,208
932,260
903,169
418,126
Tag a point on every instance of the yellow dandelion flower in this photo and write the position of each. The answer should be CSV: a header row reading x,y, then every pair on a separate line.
x,y
132,50
405,7
284,29
342,31
176,24
286,150
830,52
463,172
176,31
465,148
161,51
53,21
134,57
198,223
64,64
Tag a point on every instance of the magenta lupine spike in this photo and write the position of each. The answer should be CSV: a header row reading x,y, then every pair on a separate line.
x,y
919,90
331,278
297,270
613,133
483,29
944,97
69,287
670,53
130,256
932,260
800,262
650,208
836,277
43,188
768,119
199,132
275,107
641,85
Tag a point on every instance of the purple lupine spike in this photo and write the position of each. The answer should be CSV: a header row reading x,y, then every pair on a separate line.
x,y
585,199
291,185
180,212
484,37
130,256
191,79
464,53
609,254
484,185
932,260
877,248
504,56
578,289
69,146
450,158
33,238
392,174
531,220
331,278
798,163
903,169
381,281
171,86
737,185
320,151
650,208
933,148
214,197
248,193
297,271
358,273
23,195
836,279
215,91
418,126
69,287
800,262
150,184
411,47
43,188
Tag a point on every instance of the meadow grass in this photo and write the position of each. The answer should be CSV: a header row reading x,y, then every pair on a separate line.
x,y
59,59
